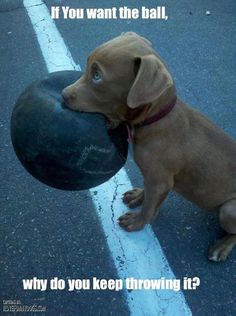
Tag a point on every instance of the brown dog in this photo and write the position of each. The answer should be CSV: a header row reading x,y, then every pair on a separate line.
x,y
174,146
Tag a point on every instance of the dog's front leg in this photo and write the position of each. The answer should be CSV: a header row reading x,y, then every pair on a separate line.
x,y
156,188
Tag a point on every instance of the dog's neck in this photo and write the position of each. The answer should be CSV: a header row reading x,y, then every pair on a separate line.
x,y
155,111
159,115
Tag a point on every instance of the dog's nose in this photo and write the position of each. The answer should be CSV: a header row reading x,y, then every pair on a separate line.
x,y
67,95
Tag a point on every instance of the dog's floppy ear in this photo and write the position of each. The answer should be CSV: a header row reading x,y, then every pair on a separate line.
x,y
151,81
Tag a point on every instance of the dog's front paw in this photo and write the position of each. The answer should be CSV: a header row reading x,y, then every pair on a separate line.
x,y
133,198
132,221
220,250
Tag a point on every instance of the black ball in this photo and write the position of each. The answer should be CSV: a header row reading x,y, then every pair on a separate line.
x,y
64,149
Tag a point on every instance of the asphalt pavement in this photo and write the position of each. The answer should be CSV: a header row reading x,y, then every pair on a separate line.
x,y
50,233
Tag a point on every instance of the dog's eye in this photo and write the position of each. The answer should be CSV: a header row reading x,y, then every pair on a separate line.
x,y
97,77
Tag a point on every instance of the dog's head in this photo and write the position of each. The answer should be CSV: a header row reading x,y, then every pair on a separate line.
x,y
123,77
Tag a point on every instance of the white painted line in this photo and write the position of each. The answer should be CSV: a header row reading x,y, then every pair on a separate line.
x,y
56,54
136,254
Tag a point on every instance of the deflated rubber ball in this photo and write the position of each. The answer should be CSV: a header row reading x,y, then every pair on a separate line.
x,y
64,149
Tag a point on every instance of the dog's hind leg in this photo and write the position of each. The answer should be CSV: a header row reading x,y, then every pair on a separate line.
x,y
222,248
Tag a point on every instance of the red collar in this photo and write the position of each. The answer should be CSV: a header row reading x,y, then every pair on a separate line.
x,y
158,116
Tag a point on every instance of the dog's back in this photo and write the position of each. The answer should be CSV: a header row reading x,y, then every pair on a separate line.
x,y
208,177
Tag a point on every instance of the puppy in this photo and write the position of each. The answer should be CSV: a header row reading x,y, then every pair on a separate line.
x,y
175,147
